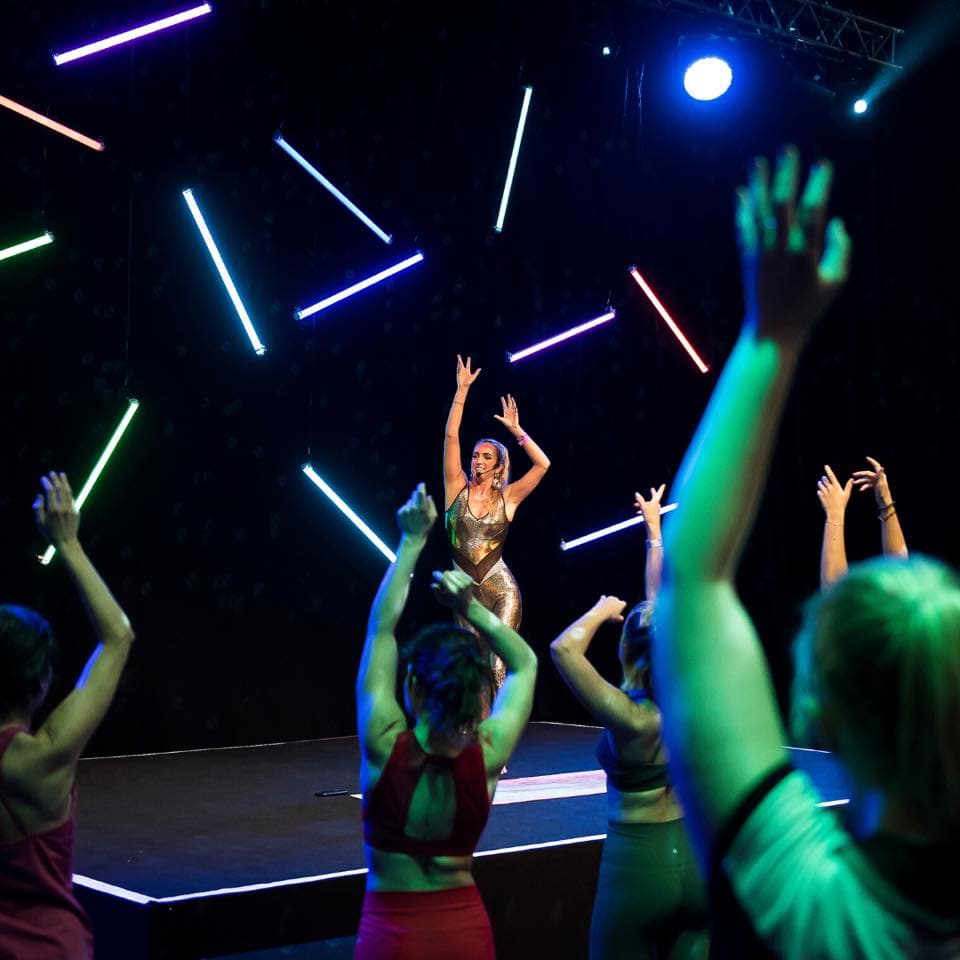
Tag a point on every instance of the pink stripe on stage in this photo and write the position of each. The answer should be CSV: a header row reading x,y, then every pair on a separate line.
x,y
553,786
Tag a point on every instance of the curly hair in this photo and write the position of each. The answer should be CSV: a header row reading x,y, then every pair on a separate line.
x,y
27,649
877,665
452,675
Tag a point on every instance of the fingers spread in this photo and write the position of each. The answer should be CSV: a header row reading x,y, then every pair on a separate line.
x,y
785,179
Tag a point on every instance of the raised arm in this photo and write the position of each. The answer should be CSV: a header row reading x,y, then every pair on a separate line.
x,y
379,715
725,731
892,541
653,568
833,498
515,493
514,700
604,702
72,723
454,479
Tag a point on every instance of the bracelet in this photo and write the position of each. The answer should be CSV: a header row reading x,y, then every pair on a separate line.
x,y
458,401
655,543
836,523
884,518
522,439
886,506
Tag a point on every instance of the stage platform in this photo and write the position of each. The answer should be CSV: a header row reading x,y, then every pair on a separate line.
x,y
213,852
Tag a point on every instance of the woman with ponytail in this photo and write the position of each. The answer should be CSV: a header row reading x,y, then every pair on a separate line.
x,y
480,507
650,899
427,789
878,659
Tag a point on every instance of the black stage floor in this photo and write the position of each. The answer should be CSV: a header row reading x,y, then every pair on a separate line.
x,y
210,852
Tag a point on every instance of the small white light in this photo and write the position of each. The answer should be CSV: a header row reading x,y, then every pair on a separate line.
x,y
860,106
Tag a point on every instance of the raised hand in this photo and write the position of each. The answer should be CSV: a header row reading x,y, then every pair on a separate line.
x,y
510,417
874,479
833,497
609,609
466,376
453,588
418,514
650,508
794,262
54,510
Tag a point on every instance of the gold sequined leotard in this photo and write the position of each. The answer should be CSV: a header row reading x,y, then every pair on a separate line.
x,y
477,547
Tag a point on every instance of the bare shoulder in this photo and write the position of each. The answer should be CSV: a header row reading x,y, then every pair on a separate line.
x,y
32,774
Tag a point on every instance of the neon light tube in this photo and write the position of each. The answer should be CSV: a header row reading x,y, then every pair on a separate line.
x,y
135,34
511,168
323,181
40,241
347,512
560,337
606,531
677,332
50,124
132,407
258,347
304,312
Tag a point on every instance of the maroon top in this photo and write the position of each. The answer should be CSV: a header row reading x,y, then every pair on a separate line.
x,y
40,918
385,810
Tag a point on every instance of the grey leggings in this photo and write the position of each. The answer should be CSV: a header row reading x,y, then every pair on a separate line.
x,y
651,903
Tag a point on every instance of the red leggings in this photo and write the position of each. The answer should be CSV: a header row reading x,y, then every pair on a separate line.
x,y
429,925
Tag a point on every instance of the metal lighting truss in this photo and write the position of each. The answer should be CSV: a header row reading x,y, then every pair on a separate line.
x,y
804,24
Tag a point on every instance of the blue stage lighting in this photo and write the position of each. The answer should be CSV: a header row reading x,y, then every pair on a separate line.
x,y
860,106
607,51
707,78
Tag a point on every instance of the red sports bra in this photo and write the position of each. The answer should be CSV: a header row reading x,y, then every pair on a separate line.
x,y
386,808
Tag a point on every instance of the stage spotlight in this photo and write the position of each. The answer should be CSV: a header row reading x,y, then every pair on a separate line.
x,y
135,34
615,528
560,337
344,508
607,51
225,277
860,106
132,407
40,241
707,78
303,312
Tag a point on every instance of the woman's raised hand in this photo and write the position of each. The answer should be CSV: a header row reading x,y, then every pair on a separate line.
x,y
794,261
650,508
609,609
832,495
453,588
874,479
510,417
418,514
55,511
466,376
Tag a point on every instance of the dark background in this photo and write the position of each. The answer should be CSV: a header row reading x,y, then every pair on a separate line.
x,y
248,590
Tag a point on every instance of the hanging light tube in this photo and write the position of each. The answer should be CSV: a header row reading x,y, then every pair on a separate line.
x,y
279,140
136,33
228,284
345,509
560,337
615,528
72,134
132,407
514,154
27,245
670,322
303,312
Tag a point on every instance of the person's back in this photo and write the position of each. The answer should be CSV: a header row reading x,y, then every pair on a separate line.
x,y
427,790
40,918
